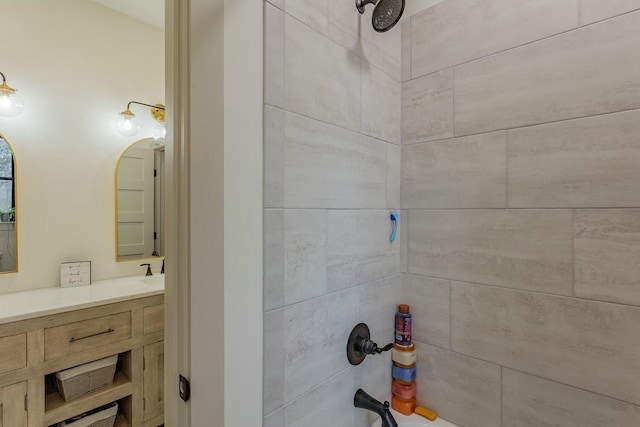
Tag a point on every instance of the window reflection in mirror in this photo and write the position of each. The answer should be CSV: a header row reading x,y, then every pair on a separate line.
x,y
8,220
140,201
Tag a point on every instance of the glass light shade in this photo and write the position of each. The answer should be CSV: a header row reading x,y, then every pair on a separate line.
x,y
126,124
159,131
11,103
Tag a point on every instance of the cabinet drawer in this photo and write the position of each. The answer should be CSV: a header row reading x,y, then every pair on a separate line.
x,y
153,319
13,352
86,335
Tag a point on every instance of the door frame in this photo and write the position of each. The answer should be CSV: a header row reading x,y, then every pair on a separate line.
x,y
214,81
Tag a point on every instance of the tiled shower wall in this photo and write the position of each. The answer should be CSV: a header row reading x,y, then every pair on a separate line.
x,y
521,195
332,174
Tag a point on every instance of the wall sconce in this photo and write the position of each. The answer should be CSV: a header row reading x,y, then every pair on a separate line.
x,y
11,103
126,123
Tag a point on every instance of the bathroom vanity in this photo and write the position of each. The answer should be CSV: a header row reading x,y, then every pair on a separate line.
x,y
48,330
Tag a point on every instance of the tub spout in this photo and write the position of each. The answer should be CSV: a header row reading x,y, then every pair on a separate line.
x,y
364,401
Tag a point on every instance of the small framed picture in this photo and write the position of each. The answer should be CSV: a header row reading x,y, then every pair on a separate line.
x,y
74,274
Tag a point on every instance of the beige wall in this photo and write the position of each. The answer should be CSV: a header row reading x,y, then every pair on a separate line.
x,y
332,159
76,65
521,182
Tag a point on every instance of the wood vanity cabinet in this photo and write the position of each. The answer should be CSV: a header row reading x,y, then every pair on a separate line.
x,y
32,350
13,406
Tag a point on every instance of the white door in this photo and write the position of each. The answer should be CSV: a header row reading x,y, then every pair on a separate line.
x,y
135,204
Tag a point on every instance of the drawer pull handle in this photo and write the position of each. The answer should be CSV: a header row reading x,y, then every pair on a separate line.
x,y
108,331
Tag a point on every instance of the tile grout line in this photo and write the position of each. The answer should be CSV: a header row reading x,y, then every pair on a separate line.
x,y
532,125
300,396
521,127
333,293
450,315
541,208
561,33
501,395
580,14
327,37
547,294
502,367
355,131
506,169
453,102
573,252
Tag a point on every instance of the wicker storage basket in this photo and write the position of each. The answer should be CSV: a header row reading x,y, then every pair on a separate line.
x,y
104,417
84,379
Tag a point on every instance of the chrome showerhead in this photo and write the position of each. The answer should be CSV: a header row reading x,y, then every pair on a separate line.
x,y
386,14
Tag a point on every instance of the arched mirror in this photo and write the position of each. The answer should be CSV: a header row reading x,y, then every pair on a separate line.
x,y
8,218
140,201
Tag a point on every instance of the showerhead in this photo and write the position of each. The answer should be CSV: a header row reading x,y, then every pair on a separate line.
x,y
386,14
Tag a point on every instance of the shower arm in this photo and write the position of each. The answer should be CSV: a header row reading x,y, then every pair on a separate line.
x,y
360,4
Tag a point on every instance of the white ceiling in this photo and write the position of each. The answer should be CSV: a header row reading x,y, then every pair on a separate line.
x,y
148,11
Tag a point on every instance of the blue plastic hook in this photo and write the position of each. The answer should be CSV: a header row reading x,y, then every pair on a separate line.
x,y
394,220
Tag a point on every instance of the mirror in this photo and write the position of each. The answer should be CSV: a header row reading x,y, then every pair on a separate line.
x,y
140,201
8,220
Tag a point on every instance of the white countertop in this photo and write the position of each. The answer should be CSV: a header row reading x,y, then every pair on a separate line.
x,y
43,302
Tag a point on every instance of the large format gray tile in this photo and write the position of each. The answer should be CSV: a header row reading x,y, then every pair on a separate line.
x,y
330,404
355,33
530,401
597,10
590,162
274,419
358,248
316,333
322,78
380,105
273,157
313,13
274,56
273,258
383,50
429,302
427,108
273,386
467,172
457,31
462,390
305,254
378,303
277,3
587,344
330,167
405,65
403,232
374,377
523,249
607,255
540,82
394,178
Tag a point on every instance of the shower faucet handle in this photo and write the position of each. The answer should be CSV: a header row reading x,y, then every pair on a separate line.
x,y
360,344
385,348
